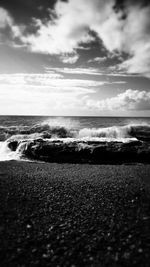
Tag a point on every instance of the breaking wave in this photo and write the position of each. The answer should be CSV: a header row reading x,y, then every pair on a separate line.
x,y
40,140
57,131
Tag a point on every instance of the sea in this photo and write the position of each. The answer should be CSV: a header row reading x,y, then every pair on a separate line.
x,y
22,130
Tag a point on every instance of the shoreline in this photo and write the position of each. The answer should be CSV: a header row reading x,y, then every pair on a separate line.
x,y
74,214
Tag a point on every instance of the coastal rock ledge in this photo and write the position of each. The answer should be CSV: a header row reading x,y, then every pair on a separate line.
x,y
82,151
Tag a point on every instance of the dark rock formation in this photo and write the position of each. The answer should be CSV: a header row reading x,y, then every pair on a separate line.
x,y
13,145
81,152
141,132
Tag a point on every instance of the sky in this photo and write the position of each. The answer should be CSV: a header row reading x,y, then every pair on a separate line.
x,y
75,57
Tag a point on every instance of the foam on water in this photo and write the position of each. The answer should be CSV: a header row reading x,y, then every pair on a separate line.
x,y
6,153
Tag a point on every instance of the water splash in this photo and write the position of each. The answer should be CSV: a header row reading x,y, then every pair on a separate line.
x,y
67,123
6,153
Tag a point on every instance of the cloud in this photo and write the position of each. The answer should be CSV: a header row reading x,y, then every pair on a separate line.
x,y
29,78
97,59
6,21
124,30
80,71
121,74
48,93
89,71
43,94
69,59
68,31
51,93
137,30
5,18
62,35
128,100
51,79
50,83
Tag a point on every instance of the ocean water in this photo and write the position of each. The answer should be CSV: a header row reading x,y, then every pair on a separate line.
x,y
23,130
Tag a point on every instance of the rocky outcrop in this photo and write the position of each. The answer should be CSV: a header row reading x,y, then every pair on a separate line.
x,y
141,132
81,152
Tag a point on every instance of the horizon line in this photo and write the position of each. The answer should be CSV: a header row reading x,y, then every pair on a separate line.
x,y
35,115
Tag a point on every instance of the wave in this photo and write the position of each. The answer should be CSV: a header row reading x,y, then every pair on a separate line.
x,y
44,131
45,141
141,131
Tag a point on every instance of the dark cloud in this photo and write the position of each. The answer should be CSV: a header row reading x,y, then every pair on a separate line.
x,y
122,3
24,10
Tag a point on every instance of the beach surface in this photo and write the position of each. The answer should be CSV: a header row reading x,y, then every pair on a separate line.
x,y
74,214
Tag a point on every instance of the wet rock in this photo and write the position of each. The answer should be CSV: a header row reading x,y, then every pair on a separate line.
x,y
13,145
141,132
82,152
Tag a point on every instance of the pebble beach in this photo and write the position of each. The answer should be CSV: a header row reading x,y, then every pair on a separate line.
x,y
74,214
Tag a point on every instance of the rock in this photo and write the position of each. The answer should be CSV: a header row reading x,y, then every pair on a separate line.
x,y
141,132
13,145
80,152
60,151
